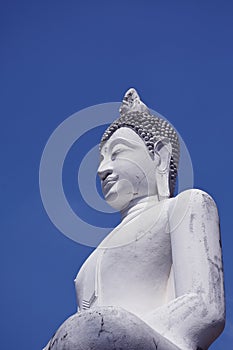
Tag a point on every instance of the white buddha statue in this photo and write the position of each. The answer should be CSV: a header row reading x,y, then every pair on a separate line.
x,y
156,281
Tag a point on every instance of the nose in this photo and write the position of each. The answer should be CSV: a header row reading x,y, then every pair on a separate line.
x,y
104,171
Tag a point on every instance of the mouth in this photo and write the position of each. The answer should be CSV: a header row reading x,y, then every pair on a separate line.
x,y
109,182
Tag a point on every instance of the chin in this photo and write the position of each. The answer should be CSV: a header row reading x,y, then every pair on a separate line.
x,y
118,201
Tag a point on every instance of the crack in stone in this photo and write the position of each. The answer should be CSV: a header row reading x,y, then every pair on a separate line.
x,y
101,326
156,345
52,342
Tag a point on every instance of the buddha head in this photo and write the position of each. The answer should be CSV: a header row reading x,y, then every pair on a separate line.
x,y
139,155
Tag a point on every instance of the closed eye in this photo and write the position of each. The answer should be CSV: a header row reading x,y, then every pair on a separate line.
x,y
101,158
115,153
119,150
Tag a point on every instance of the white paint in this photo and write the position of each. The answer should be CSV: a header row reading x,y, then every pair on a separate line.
x,y
166,272
159,272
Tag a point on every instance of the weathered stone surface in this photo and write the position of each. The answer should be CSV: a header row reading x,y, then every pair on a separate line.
x,y
156,281
107,328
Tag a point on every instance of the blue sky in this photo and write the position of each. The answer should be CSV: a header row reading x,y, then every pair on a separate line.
x,y
58,57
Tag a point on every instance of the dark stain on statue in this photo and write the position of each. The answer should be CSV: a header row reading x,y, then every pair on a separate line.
x,y
220,243
207,204
52,342
101,326
206,244
64,336
192,217
156,346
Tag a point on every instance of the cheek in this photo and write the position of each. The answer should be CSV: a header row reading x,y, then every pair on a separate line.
x,y
135,177
130,170
120,194
124,187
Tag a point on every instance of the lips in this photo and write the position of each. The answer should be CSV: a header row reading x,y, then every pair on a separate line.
x,y
109,182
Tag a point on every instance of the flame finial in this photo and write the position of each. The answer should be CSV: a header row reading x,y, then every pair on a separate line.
x,y
132,103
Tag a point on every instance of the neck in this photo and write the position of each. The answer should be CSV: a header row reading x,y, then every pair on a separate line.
x,y
136,206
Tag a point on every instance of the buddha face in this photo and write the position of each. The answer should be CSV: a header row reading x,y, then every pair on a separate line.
x,y
126,169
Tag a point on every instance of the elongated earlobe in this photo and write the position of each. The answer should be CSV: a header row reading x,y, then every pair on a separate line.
x,y
163,151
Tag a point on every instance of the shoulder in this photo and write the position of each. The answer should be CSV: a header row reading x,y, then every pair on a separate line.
x,y
192,203
195,194
193,197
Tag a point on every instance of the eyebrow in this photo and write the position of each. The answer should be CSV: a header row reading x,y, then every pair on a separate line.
x,y
122,141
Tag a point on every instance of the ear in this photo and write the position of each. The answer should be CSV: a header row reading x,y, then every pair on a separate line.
x,y
163,152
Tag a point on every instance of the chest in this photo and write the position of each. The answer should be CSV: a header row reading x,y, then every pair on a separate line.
x,y
133,262
137,256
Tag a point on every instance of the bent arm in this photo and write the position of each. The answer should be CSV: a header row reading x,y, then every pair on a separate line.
x,y
195,317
